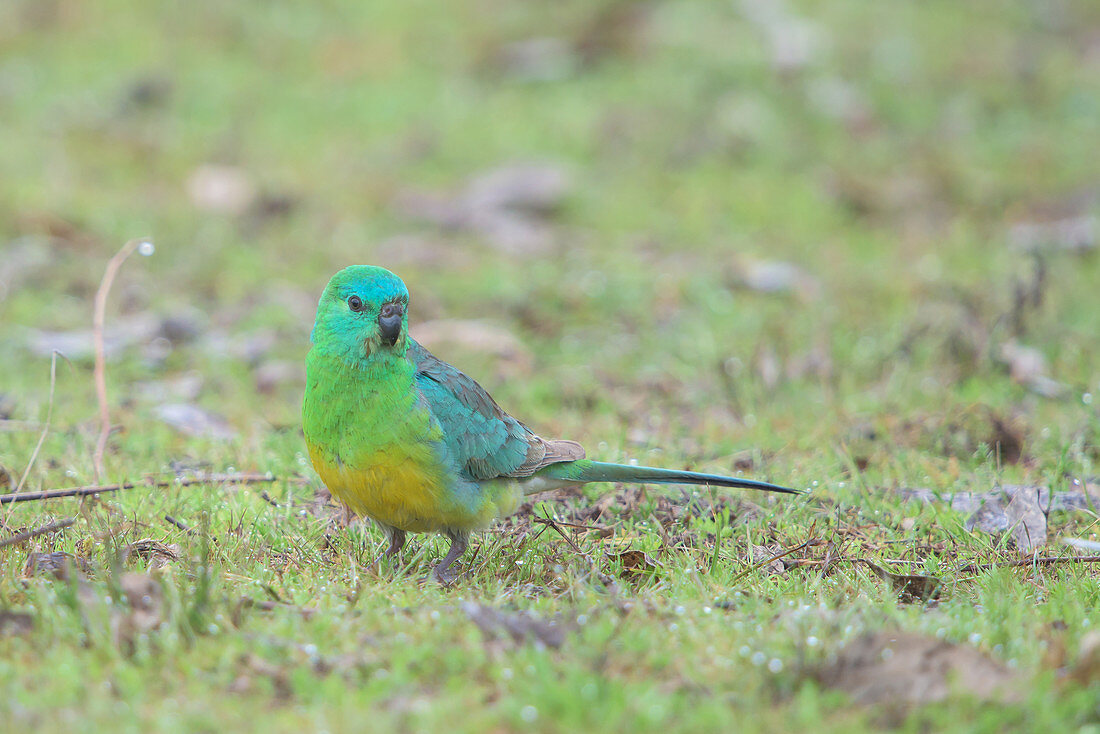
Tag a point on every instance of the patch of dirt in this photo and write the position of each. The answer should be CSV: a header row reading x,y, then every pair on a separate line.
x,y
892,667
518,627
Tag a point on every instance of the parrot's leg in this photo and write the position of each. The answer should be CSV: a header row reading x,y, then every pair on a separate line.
x,y
459,542
397,541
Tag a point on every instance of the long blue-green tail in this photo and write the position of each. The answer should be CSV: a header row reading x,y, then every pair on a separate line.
x,y
586,470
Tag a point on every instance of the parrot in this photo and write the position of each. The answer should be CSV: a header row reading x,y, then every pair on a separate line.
x,y
402,437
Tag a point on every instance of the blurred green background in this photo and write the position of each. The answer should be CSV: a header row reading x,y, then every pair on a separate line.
x,y
843,245
685,211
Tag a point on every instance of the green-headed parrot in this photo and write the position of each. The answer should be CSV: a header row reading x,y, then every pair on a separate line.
x,y
413,443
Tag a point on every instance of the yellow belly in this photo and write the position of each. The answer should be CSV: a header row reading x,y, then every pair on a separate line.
x,y
397,490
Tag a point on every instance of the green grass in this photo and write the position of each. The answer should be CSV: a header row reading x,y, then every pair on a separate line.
x,y
690,158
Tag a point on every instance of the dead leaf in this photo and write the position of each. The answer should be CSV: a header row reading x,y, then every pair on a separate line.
x,y
15,623
223,189
520,627
635,563
1076,235
192,420
154,552
1079,498
146,600
253,665
910,588
508,206
267,605
796,42
1021,509
58,564
7,406
270,206
841,100
963,433
1087,668
766,365
118,335
888,667
1027,518
183,325
59,230
538,188
775,567
815,362
146,92
616,28
481,337
1027,366
744,461
538,59
774,276
185,388
22,258
251,347
271,375
421,249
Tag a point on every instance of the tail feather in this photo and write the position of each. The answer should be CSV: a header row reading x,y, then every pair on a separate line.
x,y
586,470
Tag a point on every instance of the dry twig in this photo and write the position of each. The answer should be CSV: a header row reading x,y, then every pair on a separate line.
x,y
177,523
53,527
1037,561
552,523
183,482
776,557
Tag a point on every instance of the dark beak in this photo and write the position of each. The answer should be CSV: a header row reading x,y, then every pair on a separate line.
x,y
389,322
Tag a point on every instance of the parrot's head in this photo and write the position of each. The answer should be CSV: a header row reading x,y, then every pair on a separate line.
x,y
363,311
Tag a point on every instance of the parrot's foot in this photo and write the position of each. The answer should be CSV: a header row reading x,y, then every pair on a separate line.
x,y
442,572
444,577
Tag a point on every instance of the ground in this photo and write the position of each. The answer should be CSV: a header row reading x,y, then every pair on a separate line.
x,y
841,247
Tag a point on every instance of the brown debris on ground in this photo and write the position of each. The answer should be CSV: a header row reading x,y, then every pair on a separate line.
x,y
518,627
1022,510
909,668
909,587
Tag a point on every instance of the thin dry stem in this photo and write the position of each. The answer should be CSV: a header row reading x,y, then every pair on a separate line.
x,y
45,428
100,356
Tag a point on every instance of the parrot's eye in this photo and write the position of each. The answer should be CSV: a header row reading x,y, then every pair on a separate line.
x,y
355,303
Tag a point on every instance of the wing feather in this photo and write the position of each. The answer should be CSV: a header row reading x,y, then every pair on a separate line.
x,y
487,442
